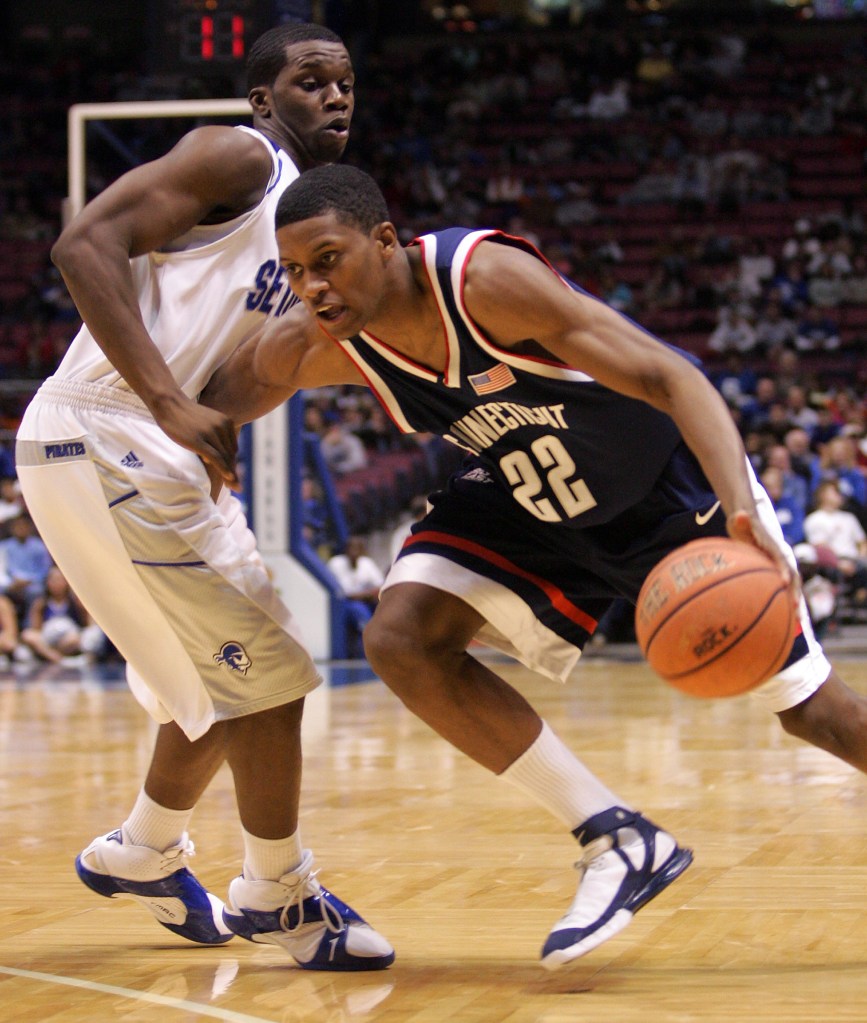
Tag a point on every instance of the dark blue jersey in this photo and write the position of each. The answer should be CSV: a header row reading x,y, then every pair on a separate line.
x,y
569,450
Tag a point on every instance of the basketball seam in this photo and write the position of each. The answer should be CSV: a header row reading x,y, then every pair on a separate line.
x,y
756,621
712,586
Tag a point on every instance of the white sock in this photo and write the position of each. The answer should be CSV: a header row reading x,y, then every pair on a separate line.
x,y
156,826
550,773
268,859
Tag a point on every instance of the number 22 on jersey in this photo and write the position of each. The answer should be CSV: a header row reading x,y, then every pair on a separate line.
x,y
573,495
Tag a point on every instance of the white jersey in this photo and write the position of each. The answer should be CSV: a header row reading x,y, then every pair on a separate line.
x,y
202,295
173,579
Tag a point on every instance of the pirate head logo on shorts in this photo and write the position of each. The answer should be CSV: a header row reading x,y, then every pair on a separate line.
x,y
234,656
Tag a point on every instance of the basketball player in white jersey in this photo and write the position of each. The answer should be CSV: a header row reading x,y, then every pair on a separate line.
x,y
171,267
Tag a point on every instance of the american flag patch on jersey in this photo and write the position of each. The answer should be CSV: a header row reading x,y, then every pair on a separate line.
x,y
496,379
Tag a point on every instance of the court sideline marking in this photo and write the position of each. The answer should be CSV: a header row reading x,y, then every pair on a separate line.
x,y
140,996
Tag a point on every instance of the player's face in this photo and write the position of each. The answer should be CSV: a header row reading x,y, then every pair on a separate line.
x,y
309,107
337,270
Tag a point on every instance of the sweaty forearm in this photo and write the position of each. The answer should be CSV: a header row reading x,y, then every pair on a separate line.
x,y
710,433
238,393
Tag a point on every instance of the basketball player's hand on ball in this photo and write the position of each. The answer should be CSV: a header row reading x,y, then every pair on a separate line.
x,y
747,527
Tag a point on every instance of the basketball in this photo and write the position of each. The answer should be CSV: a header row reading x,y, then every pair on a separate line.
x,y
715,618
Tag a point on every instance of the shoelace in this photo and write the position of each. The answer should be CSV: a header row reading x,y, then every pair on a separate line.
x,y
330,916
181,852
592,851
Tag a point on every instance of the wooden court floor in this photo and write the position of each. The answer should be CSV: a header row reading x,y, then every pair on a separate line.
x,y
769,924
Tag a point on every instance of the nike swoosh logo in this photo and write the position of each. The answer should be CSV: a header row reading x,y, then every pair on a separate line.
x,y
702,517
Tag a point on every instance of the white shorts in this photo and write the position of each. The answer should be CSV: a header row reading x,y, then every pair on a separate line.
x,y
173,579
468,553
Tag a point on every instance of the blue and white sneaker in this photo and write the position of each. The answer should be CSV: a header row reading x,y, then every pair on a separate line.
x,y
318,930
627,862
160,881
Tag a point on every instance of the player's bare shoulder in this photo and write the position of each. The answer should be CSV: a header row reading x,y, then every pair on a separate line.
x,y
506,289
234,166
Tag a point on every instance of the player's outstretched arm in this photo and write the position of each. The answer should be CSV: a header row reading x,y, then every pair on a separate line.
x,y
212,173
286,355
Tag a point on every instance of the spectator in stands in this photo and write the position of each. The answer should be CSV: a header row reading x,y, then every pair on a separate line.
x,y
378,432
838,462
736,381
786,368
58,625
777,424
360,579
736,170
695,180
816,332
799,412
315,514
831,526
664,289
803,244
25,563
849,410
789,288
756,267
825,288
577,207
797,442
616,292
854,286
790,514
657,184
342,450
773,329
835,251
819,585
609,100
757,410
314,419
11,502
610,251
734,333
795,486
846,217
827,427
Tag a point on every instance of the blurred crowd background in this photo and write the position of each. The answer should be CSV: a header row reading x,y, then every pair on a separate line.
x,y
699,166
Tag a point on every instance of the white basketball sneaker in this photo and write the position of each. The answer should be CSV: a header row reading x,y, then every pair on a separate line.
x,y
627,862
160,881
316,928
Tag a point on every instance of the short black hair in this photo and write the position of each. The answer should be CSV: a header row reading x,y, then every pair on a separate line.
x,y
267,56
353,196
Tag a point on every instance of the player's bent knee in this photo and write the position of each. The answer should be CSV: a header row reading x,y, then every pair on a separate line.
x,y
834,718
390,650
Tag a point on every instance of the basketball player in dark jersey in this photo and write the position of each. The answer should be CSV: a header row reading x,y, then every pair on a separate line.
x,y
594,450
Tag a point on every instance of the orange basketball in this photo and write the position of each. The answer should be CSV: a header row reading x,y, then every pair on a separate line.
x,y
715,618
